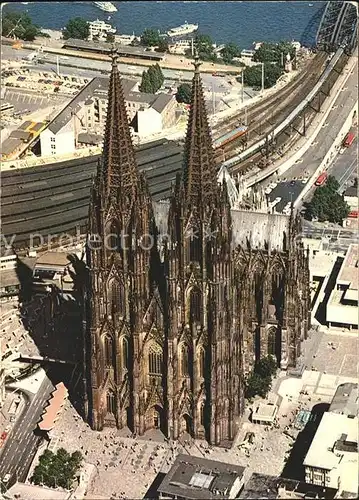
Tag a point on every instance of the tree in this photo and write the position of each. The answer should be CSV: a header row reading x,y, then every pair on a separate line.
x,y
152,79
184,93
253,75
57,469
266,367
146,85
230,51
76,28
150,38
162,46
110,38
274,52
204,47
257,386
327,204
19,25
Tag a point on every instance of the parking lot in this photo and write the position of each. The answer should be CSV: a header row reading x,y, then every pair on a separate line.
x,y
25,102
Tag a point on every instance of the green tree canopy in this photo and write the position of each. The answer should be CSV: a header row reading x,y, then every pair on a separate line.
x,y
252,75
110,38
266,367
327,204
204,47
274,52
19,25
152,79
150,38
57,469
257,386
76,28
230,51
184,93
162,46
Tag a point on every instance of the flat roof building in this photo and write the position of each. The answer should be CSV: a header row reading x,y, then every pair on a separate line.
x,y
332,459
105,48
345,400
53,269
198,478
273,487
342,307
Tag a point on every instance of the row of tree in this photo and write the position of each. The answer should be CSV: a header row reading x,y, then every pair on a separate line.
x,y
327,204
260,381
19,25
58,469
152,79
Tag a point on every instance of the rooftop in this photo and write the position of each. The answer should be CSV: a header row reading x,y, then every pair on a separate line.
x,y
330,431
52,411
348,273
24,491
351,191
53,259
105,48
265,412
272,487
345,400
197,478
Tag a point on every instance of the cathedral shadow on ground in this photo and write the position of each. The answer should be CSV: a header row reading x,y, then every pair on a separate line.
x,y
294,468
152,491
320,314
54,323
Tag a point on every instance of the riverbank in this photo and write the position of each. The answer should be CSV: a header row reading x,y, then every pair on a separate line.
x,y
171,61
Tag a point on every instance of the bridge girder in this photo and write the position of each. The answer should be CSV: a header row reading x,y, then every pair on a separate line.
x,y
338,26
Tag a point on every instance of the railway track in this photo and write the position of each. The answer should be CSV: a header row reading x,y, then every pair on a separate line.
x,y
285,141
254,110
54,199
264,116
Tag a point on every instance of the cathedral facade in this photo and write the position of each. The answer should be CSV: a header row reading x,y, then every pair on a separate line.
x,y
183,296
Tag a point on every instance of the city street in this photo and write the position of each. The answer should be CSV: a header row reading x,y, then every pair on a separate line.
x,y
308,164
21,444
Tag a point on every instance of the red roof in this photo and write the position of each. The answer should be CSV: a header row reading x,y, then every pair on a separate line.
x,y
52,411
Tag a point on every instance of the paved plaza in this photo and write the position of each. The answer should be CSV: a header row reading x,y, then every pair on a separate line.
x,y
140,460
338,354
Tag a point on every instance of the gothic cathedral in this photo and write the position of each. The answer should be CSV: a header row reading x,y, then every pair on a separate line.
x,y
183,295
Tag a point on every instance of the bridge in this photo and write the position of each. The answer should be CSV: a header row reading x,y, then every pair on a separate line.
x,y
338,26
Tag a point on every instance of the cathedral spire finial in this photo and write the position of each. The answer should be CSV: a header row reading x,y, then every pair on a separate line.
x,y
199,172
114,55
196,63
118,169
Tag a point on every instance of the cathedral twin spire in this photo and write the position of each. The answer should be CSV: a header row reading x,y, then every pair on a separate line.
x,y
199,173
119,171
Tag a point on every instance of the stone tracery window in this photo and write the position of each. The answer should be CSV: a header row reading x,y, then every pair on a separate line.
x,y
108,350
194,245
201,361
202,413
112,240
111,402
184,359
155,359
124,353
272,338
195,304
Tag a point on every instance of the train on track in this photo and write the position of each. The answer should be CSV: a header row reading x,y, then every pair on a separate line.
x,y
230,136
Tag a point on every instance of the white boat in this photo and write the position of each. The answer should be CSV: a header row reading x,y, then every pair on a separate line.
x,y
184,29
100,29
106,6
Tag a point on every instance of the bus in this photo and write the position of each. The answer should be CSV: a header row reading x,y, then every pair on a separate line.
x,y
321,179
349,139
